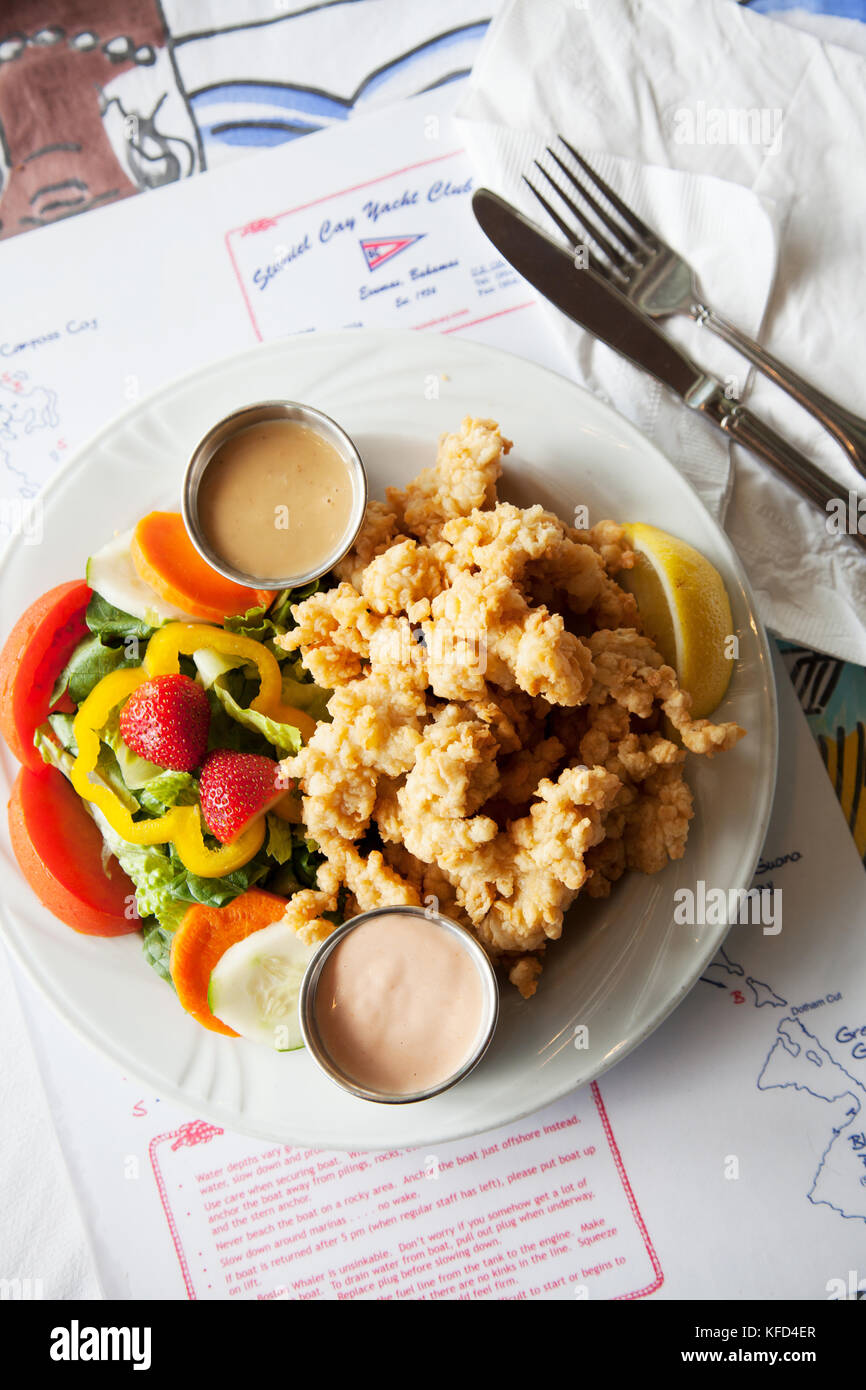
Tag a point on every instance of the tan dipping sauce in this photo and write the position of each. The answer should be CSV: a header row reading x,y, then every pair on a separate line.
x,y
275,500
399,1004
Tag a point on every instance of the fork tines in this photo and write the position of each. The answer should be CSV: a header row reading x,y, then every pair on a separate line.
x,y
636,242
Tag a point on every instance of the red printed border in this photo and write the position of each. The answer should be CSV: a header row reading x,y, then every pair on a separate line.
x,y
632,1201
200,1132
193,1132
267,222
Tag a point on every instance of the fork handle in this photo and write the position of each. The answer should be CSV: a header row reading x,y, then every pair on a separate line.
x,y
849,429
817,486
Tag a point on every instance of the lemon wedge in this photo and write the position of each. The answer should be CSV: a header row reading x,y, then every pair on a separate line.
x,y
685,609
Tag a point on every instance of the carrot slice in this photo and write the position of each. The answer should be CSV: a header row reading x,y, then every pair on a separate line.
x,y
204,935
166,559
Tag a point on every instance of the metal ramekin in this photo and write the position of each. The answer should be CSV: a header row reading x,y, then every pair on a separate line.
x,y
254,415
307,1009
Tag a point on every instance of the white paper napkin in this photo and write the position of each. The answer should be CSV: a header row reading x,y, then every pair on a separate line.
x,y
740,140
44,1252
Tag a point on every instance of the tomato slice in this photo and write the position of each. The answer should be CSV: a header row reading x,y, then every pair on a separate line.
x,y
36,651
59,850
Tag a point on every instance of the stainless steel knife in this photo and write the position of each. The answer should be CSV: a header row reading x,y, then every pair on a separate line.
x,y
597,306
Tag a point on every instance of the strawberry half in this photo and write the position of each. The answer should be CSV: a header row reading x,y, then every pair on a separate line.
x,y
235,789
166,720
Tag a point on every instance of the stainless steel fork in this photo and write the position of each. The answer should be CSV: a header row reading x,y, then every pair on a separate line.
x,y
661,283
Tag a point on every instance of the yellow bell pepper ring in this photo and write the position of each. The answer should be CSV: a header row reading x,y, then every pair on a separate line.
x,y
169,643
182,824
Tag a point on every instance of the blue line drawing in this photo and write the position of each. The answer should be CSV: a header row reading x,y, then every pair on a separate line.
x,y
722,967
797,1059
843,9
270,112
764,994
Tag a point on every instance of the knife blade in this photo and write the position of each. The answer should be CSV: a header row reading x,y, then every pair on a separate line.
x,y
589,300
581,294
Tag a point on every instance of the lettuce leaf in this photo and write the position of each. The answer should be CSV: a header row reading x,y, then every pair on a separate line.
x,y
280,842
48,750
106,764
266,623
112,625
87,666
190,888
284,737
136,772
168,789
304,694
165,888
156,944
62,726
117,639
152,871
214,669
306,858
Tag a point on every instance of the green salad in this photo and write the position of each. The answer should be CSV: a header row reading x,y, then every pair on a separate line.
x,y
164,887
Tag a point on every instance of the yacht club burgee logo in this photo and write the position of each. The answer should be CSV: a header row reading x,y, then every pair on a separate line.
x,y
379,249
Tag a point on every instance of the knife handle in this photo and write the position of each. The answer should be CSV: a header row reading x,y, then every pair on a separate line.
x,y
817,486
844,425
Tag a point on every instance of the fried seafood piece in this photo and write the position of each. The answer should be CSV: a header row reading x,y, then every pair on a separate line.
x,y
484,630
554,563
379,529
522,771
524,974
339,791
614,607
333,632
305,915
565,821
403,579
629,670
639,755
526,543
371,881
379,720
516,884
609,539
605,864
464,476
610,742
433,887
454,771
657,821
374,731
649,822
546,852
516,719
606,725
397,656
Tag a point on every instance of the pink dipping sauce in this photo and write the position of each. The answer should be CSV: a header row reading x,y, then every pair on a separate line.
x,y
399,1004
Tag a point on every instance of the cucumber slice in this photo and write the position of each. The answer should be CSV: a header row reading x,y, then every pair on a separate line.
x,y
113,575
255,986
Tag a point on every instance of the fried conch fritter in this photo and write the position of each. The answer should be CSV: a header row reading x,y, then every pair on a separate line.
x,y
499,725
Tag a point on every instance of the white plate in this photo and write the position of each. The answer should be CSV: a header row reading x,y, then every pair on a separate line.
x,y
622,965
